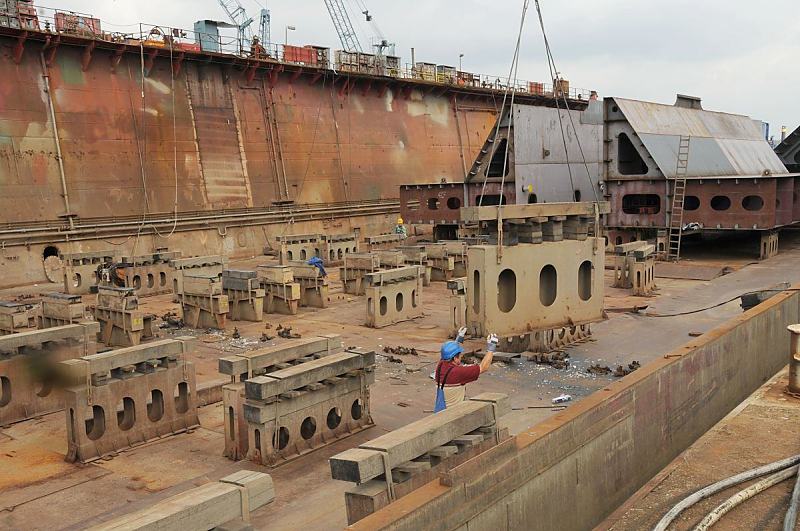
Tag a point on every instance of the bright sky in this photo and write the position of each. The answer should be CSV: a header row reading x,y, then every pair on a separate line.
x,y
738,55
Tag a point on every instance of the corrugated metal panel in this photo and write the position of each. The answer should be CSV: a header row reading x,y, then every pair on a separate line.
x,y
721,144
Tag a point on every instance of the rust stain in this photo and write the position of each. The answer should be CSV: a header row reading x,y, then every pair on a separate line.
x,y
360,144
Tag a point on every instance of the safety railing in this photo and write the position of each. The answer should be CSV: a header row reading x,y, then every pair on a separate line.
x,y
223,38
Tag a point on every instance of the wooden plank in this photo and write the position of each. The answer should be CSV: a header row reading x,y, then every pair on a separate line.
x,y
411,441
204,507
489,213
57,333
291,350
278,382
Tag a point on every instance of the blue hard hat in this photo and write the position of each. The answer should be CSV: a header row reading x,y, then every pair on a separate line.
x,y
451,349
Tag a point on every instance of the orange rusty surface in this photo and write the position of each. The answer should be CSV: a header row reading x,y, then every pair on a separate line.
x,y
214,130
24,463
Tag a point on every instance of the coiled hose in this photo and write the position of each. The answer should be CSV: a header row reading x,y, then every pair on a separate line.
x,y
719,486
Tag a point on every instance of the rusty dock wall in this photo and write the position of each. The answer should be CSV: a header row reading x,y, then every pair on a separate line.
x,y
150,132
577,467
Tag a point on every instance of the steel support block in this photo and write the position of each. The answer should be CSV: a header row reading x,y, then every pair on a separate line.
x,y
150,274
395,298
26,368
130,408
768,246
80,270
59,309
299,247
319,409
15,316
122,324
531,287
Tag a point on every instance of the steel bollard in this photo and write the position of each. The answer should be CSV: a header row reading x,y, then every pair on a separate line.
x,y
794,361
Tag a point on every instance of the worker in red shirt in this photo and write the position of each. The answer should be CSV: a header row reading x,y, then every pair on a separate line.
x,y
451,376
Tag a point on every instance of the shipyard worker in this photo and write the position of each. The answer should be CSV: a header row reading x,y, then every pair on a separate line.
x,y
451,376
256,49
400,228
319,264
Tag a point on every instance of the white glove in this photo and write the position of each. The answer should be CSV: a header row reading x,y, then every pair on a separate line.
x,y
462,333
491,342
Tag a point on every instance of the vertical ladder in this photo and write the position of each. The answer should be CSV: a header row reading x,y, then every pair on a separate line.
x,y
678,195
274,138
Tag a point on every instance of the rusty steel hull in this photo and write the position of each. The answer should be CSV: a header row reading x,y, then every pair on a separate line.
x,y
225,140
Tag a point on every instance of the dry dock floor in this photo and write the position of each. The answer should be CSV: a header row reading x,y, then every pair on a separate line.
x,y
38,490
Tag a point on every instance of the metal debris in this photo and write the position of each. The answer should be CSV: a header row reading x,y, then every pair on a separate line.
x,y
599,369
401,351
171,320
286,332
236,334
558,359
624,371
265,337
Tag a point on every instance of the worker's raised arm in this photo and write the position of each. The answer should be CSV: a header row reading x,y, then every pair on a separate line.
x,y
491,346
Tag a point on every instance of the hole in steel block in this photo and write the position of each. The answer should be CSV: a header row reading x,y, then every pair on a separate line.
x,y
476,291
155,405
506,290
281,438
691,202
182,397
384,305
398,302
548,285
126,413
720,202
96,423
585,281
334,418
308,428
356,410
752,202
5,391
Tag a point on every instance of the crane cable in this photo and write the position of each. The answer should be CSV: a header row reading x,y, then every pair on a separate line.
x,y
555,76
511,72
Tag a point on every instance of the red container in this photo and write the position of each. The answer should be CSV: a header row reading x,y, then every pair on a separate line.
x,y
298,54
536,88
69,23
188,46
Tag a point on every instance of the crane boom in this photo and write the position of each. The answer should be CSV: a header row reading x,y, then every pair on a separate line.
x,y
341,21
238,15
264,27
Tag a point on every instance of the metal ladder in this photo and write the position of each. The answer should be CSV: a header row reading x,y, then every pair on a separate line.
x,y
678,196
484,158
